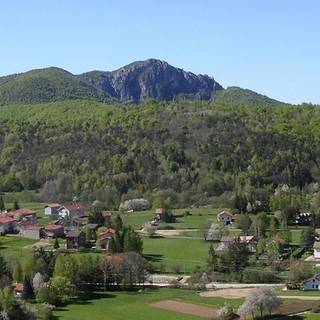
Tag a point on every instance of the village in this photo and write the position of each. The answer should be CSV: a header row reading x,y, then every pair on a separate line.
x,y
70,228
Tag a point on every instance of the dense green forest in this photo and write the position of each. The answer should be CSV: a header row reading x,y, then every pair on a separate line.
x,y
177,154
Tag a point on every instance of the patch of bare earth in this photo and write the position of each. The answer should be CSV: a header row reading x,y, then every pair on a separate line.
x,y
234,293
188,308
168,233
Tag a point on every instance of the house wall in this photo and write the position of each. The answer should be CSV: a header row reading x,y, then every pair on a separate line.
x,y
312,284
31,234
49,211
316,253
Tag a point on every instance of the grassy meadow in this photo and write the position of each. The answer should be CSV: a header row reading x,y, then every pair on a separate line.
x,y
120,305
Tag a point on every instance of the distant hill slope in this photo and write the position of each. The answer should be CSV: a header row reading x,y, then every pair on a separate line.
x,y
136,82
45,85
243,97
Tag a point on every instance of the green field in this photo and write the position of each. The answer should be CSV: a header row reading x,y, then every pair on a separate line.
x,y
16,247
116,305
184,254
134,305
195,218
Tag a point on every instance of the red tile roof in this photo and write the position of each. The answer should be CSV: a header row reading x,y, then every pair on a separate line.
x,y
6,219
226,213
53,205
33,228
160,211
106,214
23,212
18,287
52,227
74,207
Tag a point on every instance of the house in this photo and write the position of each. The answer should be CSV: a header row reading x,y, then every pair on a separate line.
x,y
7,224
52,208
225,242
312,284
54,231
105,237
250,241
316,250
73,210
32,232
225,217
75,239
106,214
17,289
160,213
23,213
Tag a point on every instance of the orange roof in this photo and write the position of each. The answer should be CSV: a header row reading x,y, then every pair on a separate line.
x,y
109,231
6,219
226,213
74,207
53,205
23,212
18,287
51,227
160,211
33,228
106,214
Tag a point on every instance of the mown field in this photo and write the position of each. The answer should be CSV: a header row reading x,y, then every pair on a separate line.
x,y
134,305
116,305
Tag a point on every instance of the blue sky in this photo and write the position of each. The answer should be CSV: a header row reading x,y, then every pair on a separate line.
x,y
269,46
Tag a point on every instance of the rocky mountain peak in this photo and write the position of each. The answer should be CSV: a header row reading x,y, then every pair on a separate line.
x,y
152,78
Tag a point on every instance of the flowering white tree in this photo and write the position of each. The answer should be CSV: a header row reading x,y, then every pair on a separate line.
x,y
260,299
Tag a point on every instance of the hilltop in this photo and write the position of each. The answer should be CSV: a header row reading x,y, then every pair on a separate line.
x,y
135,82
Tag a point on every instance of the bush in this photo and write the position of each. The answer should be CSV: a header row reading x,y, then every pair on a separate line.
x,y
135,205
258,276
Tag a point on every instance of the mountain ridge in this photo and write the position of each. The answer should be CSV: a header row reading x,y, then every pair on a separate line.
x,y
134,83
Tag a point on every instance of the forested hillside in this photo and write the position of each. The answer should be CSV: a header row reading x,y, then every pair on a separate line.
x,y
175,153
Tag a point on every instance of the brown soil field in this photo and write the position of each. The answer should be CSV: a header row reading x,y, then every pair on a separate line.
x,y
188,308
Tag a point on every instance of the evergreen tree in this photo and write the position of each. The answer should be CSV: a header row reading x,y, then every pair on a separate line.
x,y
27,292
17,274
2,207
118,224
56,244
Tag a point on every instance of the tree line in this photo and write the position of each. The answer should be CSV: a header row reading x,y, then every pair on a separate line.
x,y
178,154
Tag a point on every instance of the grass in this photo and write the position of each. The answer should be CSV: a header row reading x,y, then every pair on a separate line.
x,y
16,247
120,305
194,220
173,253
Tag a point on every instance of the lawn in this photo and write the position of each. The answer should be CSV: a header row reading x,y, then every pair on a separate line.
x,y
186,218
16,247
134,305
183,254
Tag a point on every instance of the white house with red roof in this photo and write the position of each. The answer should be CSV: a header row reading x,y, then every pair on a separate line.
x,y
7,224
225,217
51,208
72,210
